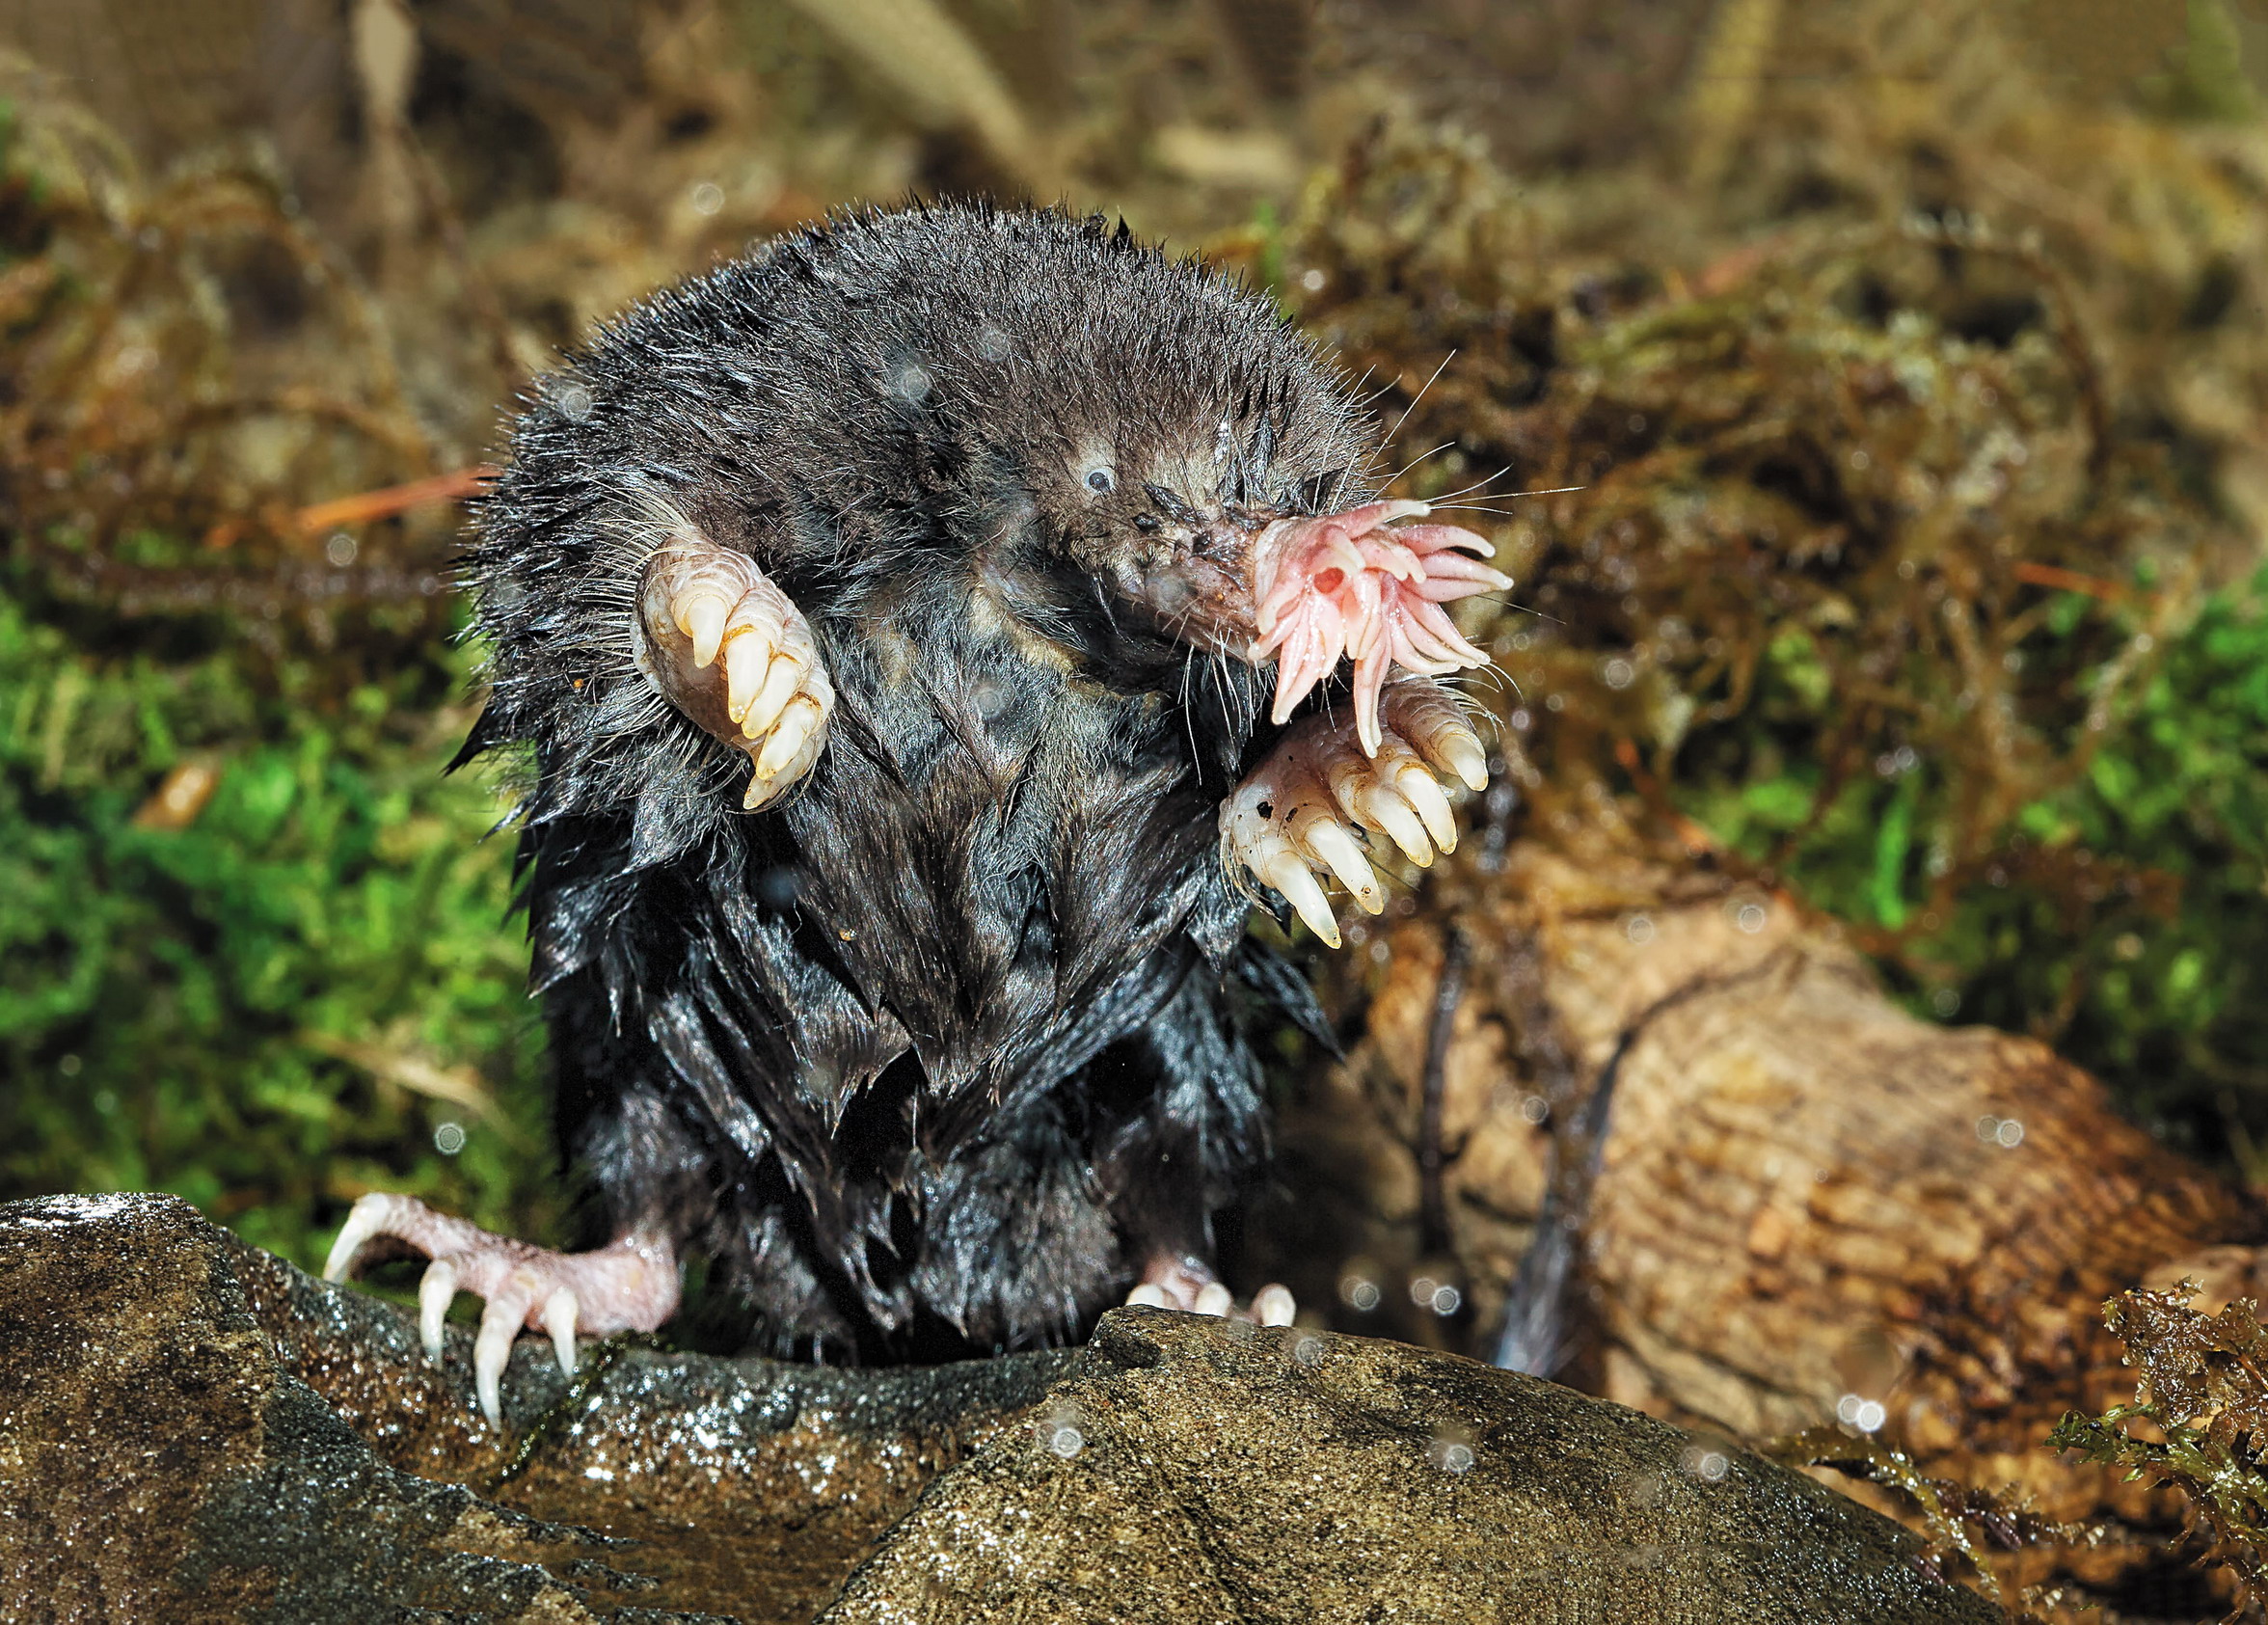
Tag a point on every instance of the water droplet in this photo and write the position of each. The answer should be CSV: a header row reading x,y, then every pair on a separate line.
x,y
339,550
1360,1294
448,1138
1535,1108
910,383
574,401
1451,1455
1066,1441
1446,1301
68,1066
2009,1134
1312,278
1856,1411
1750,918
1521,719
1421,1290
1639,929
1617,672
707,196
1703,1463
1308,1351
1946,1002
1988,1127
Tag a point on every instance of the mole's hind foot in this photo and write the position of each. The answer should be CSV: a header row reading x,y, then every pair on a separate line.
x,y
1319,799
628,1285
731,651
1186,1283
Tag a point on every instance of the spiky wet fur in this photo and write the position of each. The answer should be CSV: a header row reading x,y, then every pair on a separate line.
x,y
934,1053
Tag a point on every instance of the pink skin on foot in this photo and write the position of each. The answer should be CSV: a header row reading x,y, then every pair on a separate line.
x,y
1346,584
631,1284
1187,1284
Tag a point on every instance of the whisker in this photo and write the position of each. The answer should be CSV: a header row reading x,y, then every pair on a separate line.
x,y
1507,497
1466,491
1479,711
1418,397
1413,463
1188,721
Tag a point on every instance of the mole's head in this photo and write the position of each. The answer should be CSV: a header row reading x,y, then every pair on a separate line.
x,y
1157,462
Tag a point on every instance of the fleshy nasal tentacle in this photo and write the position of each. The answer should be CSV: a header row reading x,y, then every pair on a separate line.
x,y
1344,586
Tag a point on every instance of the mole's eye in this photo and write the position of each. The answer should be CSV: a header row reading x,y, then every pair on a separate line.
x,y
1101,479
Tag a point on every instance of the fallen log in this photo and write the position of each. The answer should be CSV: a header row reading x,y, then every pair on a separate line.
x,y
1810,1207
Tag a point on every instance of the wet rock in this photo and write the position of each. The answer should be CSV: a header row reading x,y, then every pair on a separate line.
x,y
1194,1470
192,1430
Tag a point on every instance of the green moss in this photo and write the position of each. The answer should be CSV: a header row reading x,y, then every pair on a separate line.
x,y
273,1006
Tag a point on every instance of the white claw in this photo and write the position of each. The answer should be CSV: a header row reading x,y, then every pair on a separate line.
x,y
1380,807
701,618
437,1290
1274,1306
363,1222
1147,1297
781,681
491,1351
1213,1298
796,723
744,664
1291,877
1422,791
1331,843
558,1318
1462,754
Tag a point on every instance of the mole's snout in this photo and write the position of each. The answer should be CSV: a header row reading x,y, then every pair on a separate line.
x,y
1346,584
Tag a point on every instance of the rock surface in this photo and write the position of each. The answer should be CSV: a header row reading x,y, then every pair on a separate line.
x,y
191,1430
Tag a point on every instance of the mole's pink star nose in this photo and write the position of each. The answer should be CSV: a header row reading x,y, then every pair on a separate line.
x,y
1345,585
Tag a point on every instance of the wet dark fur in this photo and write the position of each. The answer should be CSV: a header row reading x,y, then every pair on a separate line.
x,y
934,1053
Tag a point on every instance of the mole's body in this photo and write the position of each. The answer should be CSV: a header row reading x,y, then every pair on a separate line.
x,y
877,619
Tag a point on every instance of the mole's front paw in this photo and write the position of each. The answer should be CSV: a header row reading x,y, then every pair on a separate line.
x,y
731,651
1314,803
629,1285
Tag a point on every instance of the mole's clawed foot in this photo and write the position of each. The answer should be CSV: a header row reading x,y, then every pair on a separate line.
x,y
629,1285
731,651
1187,1284
1315,802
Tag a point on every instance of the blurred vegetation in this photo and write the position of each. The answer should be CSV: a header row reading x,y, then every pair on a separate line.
x,y
1913,395
2198,1422
1912,565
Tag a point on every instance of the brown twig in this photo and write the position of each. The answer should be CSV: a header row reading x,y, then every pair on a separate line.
x,y
1433,1214
366,505
2035,573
